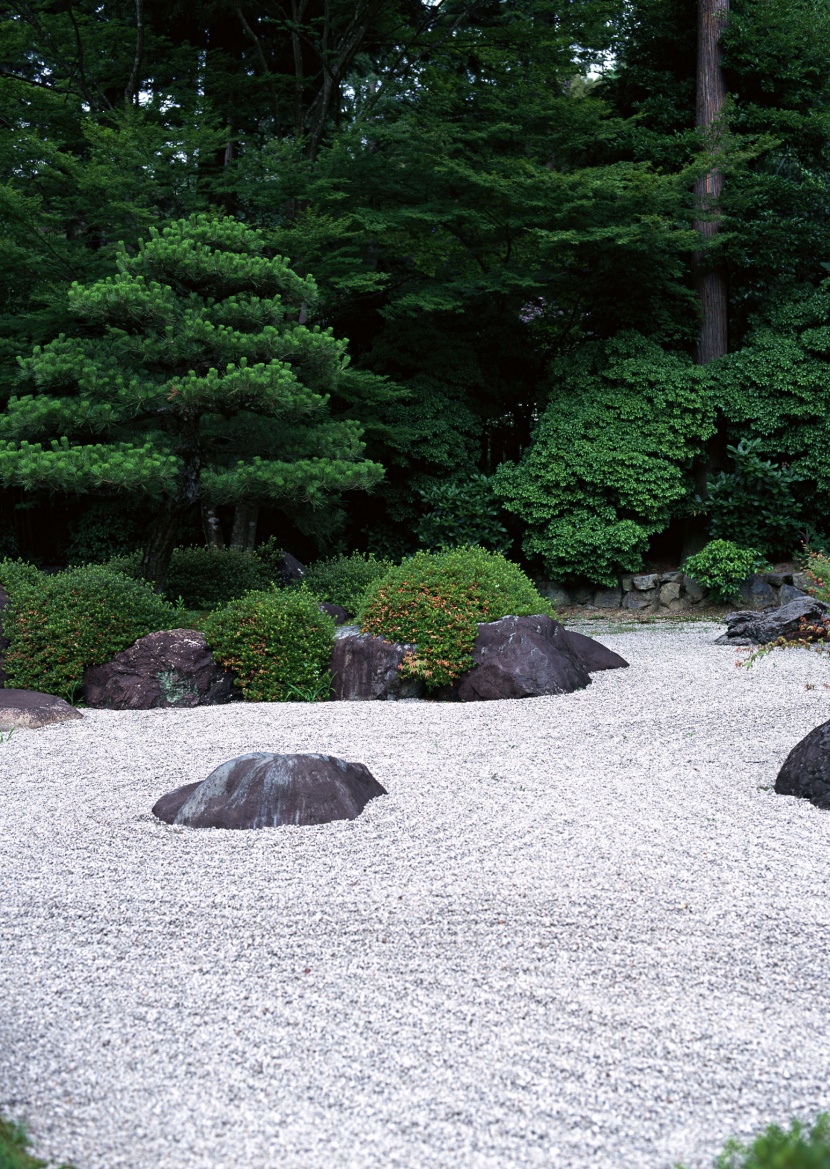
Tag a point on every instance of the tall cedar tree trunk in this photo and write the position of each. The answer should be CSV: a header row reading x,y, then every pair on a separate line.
x,y
710,279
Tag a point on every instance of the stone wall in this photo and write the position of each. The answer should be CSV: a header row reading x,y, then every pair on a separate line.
x,y
673,592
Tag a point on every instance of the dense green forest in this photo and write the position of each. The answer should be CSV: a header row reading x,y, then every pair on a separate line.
x,y
389,274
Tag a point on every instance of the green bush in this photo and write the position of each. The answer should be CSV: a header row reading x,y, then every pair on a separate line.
x,y
754,504
797,1147
205,577
58,625
721,567
16,574
436,601
343,580
277,643
461,512
14,1151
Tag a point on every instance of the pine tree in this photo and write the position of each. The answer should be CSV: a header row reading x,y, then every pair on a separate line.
x,y
193,346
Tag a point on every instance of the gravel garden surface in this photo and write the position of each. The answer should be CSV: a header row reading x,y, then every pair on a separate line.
x,y
580,931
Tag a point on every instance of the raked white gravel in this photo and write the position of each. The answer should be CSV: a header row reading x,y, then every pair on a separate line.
x,y
579,931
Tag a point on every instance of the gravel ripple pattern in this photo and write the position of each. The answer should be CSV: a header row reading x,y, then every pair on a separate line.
x,y
580,931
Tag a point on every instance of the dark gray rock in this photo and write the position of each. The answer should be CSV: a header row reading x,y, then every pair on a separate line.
x,y
591,654
173,668
365,667
776,579
649,580
522,657
670,591
4,641
806,770
337,613
640,601
31,709
757,594
750,628
789,593
582,595
555,593
674,577
608,598
263,790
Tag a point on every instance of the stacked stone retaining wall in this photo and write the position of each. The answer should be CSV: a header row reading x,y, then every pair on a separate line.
x,y
672,592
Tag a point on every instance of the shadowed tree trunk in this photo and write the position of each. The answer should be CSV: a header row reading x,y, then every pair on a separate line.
x,y
212,526
245,519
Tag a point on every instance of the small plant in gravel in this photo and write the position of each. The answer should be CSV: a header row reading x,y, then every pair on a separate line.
x,y
796,1147
343,580
277,643
4,738
59,625
436,601
14,1148
721,567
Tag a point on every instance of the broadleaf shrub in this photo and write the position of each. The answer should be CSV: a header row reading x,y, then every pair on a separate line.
x,y
58,625
754,504
276,642
721,567
343,580
460,512
205,577
436,600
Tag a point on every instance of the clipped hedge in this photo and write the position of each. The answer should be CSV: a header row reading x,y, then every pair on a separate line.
x,y
437,599
343,580
58,625
277,643
205,577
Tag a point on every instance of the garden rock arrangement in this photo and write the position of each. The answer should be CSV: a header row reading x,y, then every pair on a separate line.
x,y
31,709
673,592
748,628
806,770
172,668
264,790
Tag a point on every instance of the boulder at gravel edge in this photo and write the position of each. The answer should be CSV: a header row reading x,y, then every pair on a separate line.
x,y
522,657
806,770
263,790
172,668
366,667
31,709
748,628
592,654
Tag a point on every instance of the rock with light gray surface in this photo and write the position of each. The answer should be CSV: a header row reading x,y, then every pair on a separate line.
x,y
31,709
746,627
264,790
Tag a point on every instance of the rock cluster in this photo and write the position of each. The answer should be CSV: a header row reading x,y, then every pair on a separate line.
x,y
263,790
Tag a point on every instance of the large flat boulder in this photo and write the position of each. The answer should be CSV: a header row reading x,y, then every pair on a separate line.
x,y
522,657
365,667
172,668
264,790
31,709
746,627
806,770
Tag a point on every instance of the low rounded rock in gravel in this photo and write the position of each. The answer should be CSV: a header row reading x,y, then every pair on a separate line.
x,y
32,709
806,770
264,790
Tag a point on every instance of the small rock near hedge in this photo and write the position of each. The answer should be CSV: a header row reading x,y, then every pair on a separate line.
x,y
806,770
32,709
365,667
264,790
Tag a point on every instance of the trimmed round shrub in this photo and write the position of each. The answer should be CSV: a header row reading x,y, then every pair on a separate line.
x,y
343,580
15,574
436,600
58,625
277,643
205,577
721,567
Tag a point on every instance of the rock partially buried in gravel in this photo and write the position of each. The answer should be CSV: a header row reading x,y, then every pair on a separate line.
x,y
263,790
806,770
172,668
31,709
748,628
522,657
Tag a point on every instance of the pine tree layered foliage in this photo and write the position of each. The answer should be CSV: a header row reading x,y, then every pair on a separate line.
x,y
194,343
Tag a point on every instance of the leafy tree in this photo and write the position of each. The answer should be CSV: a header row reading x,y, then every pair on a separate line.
x,y
171,361
610,459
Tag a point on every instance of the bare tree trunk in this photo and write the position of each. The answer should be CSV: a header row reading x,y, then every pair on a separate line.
x,y
132,86
245,519
212,527
711,92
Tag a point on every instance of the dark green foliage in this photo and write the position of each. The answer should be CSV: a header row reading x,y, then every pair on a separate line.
x,y
754,504
59,625
721,567
277,643
800,1146
205,577
436,601
459,512
19,574
106,529
343,580
609,461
